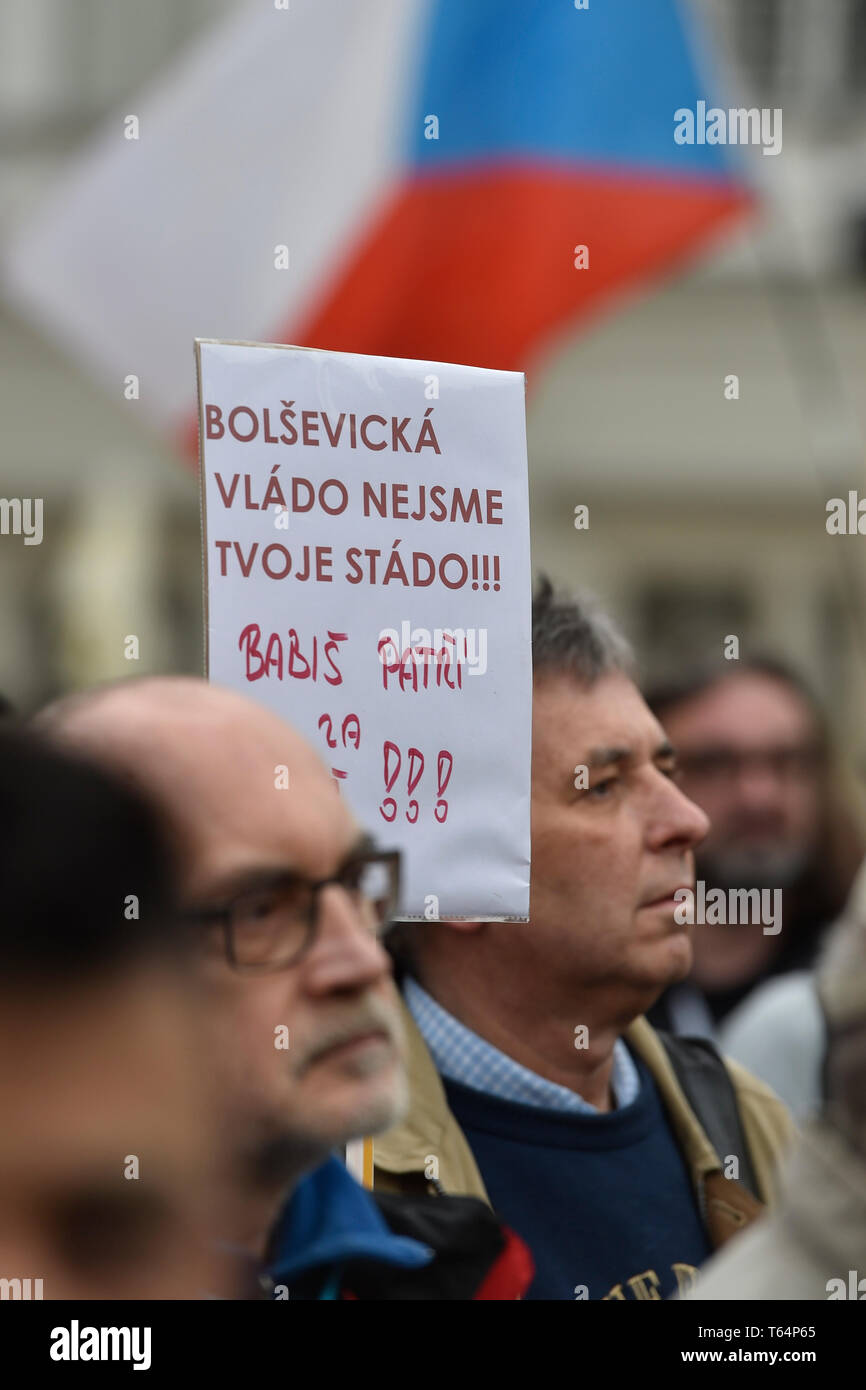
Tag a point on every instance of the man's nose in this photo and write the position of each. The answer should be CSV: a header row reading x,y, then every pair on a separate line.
x,y
758,786
346,954
676,818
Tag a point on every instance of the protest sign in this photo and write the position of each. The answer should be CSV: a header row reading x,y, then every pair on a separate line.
x,y
366,554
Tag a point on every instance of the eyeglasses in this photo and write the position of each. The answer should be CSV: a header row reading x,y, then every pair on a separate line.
x,y
724,764
273,923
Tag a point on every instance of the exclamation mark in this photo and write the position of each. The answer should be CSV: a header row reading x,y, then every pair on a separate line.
x,y
485,566
444,768
496,571
475,571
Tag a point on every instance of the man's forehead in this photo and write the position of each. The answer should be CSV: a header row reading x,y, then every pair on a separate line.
x,y
221,865
266,830
610,715
747,710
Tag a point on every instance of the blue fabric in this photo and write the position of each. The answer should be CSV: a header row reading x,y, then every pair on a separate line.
x,y
537,81
330,1292
461,1055
604,1202
331,1219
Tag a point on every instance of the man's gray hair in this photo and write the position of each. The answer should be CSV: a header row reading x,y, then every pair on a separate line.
x,y
573,636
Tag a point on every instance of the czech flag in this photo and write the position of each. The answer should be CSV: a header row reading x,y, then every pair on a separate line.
x,y
450,180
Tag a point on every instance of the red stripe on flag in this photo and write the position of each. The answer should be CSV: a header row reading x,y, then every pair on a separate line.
x,y
480,268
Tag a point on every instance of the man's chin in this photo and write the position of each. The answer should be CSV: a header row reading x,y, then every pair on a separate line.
x,y
669,962
364,1110
681,958
387,1108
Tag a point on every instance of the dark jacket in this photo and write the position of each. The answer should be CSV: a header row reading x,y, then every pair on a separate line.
x,y
334,1239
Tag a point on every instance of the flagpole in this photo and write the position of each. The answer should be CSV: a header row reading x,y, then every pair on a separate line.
x,y
359,1161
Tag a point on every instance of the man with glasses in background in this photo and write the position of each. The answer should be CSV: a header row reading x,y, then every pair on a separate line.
x,y
286,901
754,753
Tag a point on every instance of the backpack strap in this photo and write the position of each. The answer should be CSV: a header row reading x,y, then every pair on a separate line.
x,y
708,1088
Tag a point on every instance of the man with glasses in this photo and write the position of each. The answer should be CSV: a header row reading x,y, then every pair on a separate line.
x,y
285,901
753,753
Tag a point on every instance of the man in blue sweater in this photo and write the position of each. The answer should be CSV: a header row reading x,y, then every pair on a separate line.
x,y
536,1082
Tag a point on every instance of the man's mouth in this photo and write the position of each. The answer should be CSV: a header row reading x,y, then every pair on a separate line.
x,y
667,899
346,1046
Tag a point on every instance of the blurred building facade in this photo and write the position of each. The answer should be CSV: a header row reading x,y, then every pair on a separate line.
x,y
706,514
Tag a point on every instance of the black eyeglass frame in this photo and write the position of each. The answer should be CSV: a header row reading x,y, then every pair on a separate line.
x,y
390,858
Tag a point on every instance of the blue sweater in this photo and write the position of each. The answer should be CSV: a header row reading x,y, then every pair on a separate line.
x,y
604,1202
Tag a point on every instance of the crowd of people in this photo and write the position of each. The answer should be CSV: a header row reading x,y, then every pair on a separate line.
x,y
207,998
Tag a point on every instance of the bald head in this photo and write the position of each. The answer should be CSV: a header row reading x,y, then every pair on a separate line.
x,y
227,773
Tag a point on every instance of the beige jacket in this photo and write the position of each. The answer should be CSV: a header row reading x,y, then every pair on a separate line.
x,y
429,1152
813,1247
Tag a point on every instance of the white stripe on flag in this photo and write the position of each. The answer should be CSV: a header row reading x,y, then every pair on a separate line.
x,y
282,127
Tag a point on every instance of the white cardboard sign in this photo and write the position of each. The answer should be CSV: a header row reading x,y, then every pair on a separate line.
x,y
367,577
